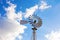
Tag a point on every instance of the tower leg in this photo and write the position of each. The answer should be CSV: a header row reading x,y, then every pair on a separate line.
x,y
34,33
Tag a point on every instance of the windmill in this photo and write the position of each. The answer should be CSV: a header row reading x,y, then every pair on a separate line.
x,y
35,21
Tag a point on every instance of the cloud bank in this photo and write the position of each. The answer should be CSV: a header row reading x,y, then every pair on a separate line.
x,y
53,35
10,29
10,26
30,11
11,13
44,6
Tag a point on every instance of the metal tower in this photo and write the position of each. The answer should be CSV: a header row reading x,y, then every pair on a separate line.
x,y
35,21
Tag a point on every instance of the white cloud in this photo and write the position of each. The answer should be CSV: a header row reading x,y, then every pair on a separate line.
x,y
31,11
44,5
11,11
10,27
41,7
53,35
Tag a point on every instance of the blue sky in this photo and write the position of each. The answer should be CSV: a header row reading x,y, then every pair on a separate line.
x,y
50,15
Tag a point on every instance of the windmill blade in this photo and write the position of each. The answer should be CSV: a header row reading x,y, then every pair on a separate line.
x,y
23,22
37,22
